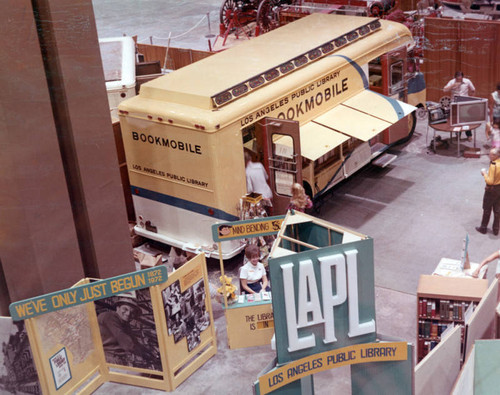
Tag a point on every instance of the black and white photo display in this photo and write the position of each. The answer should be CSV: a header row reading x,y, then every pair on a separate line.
x,y
186,313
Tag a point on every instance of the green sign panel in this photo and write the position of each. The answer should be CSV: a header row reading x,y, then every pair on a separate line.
x,y
81,294
323,299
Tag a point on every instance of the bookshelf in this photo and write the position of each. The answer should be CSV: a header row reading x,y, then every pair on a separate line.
x,y
442,301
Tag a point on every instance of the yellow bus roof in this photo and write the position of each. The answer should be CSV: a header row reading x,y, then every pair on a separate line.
x,y
198,84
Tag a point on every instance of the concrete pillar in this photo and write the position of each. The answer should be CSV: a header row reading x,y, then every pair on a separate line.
x,y
62,213
39,248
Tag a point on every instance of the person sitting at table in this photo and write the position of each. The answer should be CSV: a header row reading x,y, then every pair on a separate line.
x,y
460,86
253,276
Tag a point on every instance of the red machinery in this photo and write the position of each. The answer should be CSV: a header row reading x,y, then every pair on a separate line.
x,y
270,14
235,14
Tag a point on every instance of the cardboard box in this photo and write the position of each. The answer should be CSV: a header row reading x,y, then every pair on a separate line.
x,y
147,257
472,152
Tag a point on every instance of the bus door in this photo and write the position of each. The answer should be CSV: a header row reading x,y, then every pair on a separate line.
x,y
281,156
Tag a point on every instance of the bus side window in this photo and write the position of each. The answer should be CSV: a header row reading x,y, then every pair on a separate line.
x,y
249,140
397,74
283,164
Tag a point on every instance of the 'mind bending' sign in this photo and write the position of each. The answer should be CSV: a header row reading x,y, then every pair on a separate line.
x,y
248,228
81,294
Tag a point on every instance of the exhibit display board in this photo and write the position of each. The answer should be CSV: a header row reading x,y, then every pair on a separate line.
x,y
486,362
437,372
66,349
137,329
324,311
323,298
479,374
189,338
248,323
481,323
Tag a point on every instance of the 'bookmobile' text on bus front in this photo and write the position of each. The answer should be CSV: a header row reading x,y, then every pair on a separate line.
x,y
169,143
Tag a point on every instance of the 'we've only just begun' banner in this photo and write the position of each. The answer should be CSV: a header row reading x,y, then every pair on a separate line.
x,y
359,353
81,294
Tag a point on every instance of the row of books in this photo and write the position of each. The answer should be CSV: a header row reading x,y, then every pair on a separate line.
x,y
428,329
425,346
442,309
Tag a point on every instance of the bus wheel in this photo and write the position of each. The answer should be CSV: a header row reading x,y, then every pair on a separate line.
x,y
412,123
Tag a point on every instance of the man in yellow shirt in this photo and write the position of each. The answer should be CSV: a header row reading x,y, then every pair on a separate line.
x,y
491,199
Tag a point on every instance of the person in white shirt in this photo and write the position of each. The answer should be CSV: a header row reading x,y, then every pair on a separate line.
x,y
257,178
253,273
460,86
494,105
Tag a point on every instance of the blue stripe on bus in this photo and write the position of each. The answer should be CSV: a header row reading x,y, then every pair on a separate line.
x,y
181,203
416,83
358,68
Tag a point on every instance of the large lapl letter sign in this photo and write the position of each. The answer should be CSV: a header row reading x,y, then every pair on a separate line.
x,y
323,299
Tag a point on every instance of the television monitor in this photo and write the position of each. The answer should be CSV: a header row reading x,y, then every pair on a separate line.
x,y
468,110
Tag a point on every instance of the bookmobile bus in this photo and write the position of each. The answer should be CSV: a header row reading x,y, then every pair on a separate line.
x,y
314,101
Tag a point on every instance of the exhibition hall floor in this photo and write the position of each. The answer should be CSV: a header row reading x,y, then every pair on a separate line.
x,y
418,210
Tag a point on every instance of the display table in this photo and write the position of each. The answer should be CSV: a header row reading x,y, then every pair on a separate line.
x,y
249,323
447,128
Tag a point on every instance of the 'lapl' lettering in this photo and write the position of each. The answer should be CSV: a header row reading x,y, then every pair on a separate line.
x,y
313,310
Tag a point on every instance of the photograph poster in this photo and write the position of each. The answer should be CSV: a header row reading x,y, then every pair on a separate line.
x,y
128,330
186,312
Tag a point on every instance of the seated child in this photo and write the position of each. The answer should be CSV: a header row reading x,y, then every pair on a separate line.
x,y
493,135
299,200
253,272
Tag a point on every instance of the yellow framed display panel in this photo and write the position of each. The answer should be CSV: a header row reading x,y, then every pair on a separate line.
x,y
181,362
69,356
